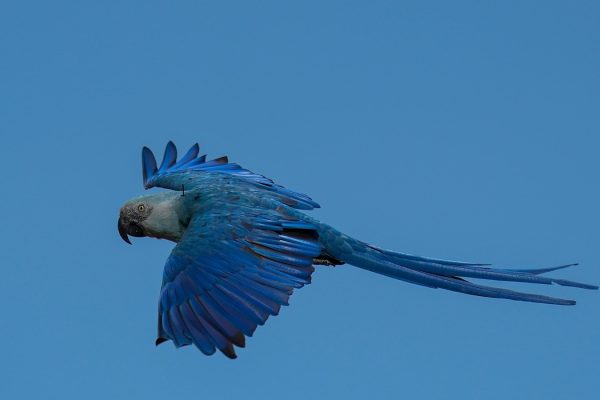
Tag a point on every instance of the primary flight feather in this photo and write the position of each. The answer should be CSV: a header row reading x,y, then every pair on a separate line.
x,y
243,246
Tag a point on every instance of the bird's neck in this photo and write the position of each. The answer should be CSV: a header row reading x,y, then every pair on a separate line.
x,y
170,217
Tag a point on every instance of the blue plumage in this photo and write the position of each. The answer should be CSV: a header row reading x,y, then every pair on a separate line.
x,y
243,246
191,170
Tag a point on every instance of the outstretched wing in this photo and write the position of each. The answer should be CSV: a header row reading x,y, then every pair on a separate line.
x,y
191,168
232,269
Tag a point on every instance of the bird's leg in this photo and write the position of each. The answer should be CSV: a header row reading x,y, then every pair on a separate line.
x,y
326,259
182,190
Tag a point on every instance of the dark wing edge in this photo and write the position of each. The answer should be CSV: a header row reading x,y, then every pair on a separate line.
x,y
214,296
192,163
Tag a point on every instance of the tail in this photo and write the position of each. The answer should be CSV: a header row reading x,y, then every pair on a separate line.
x,y
444,274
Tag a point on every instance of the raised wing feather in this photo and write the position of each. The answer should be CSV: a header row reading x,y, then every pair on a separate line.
x,y
187,173
229,273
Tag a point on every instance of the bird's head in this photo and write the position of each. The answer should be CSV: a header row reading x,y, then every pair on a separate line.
x,y
157,215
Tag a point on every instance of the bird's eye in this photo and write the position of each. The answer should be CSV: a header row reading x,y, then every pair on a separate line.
x,y
141,208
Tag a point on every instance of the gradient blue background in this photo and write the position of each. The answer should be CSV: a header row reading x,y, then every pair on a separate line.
x,y
449,129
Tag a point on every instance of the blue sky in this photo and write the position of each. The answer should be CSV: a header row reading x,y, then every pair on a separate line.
x,y
458,130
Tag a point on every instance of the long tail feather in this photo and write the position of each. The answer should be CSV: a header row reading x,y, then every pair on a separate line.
x,y
449,268
443,274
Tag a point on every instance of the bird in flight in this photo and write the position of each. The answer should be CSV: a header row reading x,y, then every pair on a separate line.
x,y
243,244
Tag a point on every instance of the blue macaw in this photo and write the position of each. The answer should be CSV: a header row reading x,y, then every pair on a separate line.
x,y
243,246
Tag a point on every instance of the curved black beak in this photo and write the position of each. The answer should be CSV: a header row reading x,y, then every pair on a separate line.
x,y
129,228
122,226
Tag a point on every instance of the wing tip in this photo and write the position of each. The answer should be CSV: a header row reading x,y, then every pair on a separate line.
x,y
169,157
148,166
229,352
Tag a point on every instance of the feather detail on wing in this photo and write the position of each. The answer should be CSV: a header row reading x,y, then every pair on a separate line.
x,y
173,174
229,273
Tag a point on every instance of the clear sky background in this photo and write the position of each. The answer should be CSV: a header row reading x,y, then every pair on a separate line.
x,y
458,130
